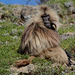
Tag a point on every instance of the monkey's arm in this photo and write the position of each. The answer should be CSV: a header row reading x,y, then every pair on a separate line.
x,y
25,39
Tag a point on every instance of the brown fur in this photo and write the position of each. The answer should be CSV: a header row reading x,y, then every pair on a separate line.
x,y
22,62
37,40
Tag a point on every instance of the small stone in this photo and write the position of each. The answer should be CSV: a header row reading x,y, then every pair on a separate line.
x,y
26,69
73,15
67,35
14,74
72,9
2,21
0,26
2,43
13,69
6,42
63,72
6,34
15,37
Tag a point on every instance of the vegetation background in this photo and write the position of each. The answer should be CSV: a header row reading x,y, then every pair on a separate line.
x,y
12,27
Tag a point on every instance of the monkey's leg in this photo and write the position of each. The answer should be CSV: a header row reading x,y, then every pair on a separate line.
x,y
57,54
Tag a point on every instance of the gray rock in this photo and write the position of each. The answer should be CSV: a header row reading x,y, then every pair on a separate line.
x,y
27,12
0,26
6,42
2,42
57,7
16,11
16,32
73,15
72,9
63,72
68,4
14,74
25,69
15,37
6,34
2,21
16,23
67,35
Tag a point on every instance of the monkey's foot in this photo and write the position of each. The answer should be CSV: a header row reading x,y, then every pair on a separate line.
x,y
22,62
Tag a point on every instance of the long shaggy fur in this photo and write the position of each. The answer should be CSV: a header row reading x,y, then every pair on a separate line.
x,y
40,41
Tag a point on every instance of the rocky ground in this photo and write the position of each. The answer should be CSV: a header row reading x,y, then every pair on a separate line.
x,y
20,14
13,20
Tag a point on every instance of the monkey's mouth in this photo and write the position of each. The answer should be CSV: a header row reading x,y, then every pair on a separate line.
x,y
47,23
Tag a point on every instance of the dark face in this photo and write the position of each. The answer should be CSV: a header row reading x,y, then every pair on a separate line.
x,y
47,23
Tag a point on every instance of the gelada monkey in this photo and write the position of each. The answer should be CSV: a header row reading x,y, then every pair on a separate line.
x,y
40,37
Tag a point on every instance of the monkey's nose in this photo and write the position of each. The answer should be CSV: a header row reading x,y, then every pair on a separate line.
x,y
47,22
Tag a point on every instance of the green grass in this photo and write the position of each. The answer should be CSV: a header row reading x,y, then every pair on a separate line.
x,y
61,4
69,45
9,45
8,52
67,29
61,1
